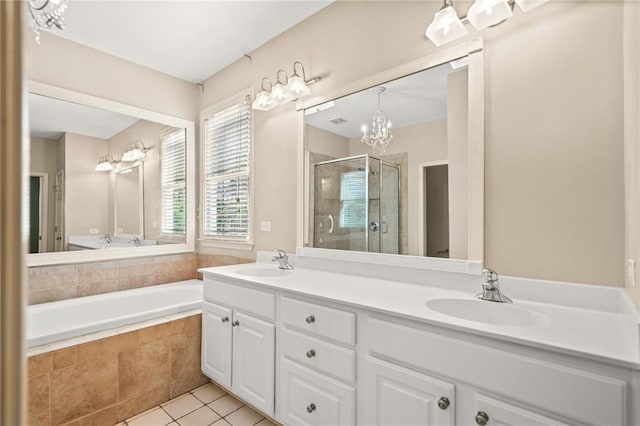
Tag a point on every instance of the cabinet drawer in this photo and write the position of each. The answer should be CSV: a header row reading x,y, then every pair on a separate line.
x,y
576,394
318,354
320,320
309,398
252,301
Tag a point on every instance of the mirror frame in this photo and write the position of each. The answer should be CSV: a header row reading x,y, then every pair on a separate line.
x,y
475,180
58,258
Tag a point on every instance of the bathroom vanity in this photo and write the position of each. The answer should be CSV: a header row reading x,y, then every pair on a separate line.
x,y
310,346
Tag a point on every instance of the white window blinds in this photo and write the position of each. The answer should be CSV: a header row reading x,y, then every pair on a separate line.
x,y
173,182
226,171
353,199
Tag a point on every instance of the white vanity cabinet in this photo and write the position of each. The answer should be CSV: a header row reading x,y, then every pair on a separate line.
x,y
238,341
317,364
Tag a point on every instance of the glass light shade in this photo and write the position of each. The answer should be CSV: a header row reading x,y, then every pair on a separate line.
x,y
484,13
527,5
297,88
263,102
446,27
104,166
280,95
134,154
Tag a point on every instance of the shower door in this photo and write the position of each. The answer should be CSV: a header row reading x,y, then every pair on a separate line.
x,y
340,204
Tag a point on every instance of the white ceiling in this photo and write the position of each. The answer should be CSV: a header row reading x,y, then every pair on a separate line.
x,y
191,40
418,98
49,118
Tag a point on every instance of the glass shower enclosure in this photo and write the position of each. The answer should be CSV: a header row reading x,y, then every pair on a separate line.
x,y
355,205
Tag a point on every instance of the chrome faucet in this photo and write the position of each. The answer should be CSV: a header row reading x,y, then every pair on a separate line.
x,y
135,240
283,259
107,238
491,288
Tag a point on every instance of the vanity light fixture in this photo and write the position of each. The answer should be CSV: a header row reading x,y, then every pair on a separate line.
x,y
46,14
136,151
106,163
448,26
285,90
380,135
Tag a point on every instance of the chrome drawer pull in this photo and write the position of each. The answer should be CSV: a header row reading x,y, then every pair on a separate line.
x,y
310,319
235,323
311,408
311,353
225,319
443,403
482,418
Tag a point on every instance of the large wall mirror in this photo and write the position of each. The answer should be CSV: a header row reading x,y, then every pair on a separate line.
x,y
392,168
106,180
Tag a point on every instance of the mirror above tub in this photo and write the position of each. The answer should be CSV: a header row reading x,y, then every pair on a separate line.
x,y
393,165
107,180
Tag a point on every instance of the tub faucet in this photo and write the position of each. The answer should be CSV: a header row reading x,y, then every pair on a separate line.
x,y
283,259
107,238
491,288
135,240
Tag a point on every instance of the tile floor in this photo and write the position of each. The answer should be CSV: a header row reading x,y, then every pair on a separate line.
x,y
204,406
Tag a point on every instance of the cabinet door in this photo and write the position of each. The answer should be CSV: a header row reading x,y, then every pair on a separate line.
x,y
254,361
501,413
307,398
398,396
216,343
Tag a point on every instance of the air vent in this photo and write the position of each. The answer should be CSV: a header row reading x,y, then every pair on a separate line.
x,y
338,120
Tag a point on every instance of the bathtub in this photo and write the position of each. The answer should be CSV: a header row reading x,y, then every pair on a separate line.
x,y
67,319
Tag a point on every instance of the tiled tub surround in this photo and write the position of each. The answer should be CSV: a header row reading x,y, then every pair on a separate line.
x,y
61,282
113,378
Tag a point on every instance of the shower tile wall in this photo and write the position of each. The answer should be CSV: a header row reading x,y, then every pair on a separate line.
x,y
51,283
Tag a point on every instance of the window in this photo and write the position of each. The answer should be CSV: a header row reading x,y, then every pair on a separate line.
x,y
173,182
226,150
353,199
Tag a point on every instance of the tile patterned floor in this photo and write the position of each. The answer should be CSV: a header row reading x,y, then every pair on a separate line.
x,y
204,406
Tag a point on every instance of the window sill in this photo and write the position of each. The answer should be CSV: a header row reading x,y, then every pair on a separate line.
x,y
231,245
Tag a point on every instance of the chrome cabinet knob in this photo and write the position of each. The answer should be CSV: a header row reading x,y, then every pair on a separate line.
x,y
311,353
311,408
482,418
310,319
235,323
224,319
443,403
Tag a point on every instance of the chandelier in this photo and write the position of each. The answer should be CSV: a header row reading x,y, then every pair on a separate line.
x,y
380,135
46,14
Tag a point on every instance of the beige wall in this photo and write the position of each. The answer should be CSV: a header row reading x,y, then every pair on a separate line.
x,y
44,159
63,63
423,143
632,140
554,185
86,202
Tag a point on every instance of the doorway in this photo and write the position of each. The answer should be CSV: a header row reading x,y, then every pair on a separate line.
x,y
435,211
38,184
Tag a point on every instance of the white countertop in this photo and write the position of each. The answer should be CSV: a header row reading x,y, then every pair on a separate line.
x,y
601,334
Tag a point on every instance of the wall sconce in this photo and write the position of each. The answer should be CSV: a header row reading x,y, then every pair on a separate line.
x,y
136,151
286,90
106,163
447,26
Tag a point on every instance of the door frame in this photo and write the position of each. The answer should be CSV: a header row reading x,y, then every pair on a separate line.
x,y
422,236
44,209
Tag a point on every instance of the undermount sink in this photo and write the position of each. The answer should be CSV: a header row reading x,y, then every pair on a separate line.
x,y
263,272
504,314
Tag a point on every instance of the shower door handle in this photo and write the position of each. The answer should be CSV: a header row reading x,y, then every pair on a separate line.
x,y
330,224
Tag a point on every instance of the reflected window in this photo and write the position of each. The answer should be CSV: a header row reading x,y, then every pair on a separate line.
x,y
227,171
173,182
353,199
